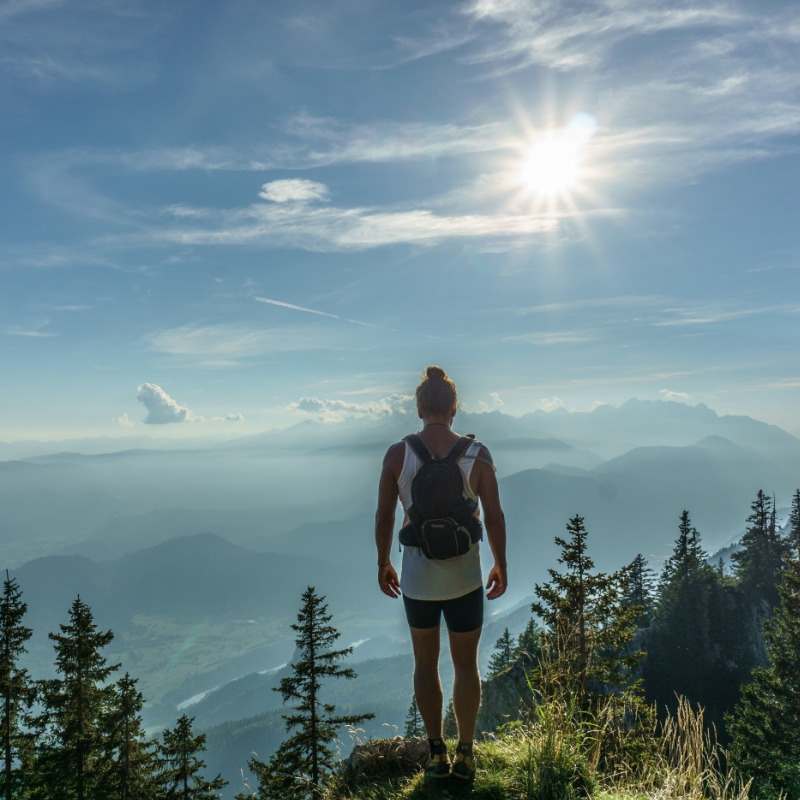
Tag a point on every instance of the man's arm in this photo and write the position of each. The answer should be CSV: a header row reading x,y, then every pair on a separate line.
x,y
384,520
494,522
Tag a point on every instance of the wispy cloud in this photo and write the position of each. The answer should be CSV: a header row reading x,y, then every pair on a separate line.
x,y
34,331
226,345
548,338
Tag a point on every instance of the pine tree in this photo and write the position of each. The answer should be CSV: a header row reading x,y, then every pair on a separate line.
x,y
16,688
414,724
302,762
639,591
793,539
589,630
764,741
181,776
449,722
529,642
759,562
503,657
70,729
130,756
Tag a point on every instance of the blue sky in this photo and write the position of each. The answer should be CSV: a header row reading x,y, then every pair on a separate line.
x,y
223,217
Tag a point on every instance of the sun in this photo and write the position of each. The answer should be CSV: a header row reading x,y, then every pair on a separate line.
x,y
552,165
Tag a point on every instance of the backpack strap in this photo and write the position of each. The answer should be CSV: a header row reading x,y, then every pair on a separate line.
x,y
425,455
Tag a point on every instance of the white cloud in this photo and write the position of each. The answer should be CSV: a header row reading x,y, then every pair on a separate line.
x,y
495,403
666,394
228,418
549,404
225,345
294,190
340,410
124,422
161,408
546,338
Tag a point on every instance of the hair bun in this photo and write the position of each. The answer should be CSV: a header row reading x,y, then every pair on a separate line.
x,y
435,373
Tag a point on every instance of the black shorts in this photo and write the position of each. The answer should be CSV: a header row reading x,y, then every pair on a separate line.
x,y
461,614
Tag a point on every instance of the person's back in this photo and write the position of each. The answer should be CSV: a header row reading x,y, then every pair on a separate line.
x,y
432,587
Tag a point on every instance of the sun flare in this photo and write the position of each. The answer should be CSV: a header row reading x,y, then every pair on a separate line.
x,y
552,165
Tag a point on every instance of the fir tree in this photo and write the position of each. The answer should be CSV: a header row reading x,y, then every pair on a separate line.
x,y
449,722
529,642
414,724
793,539
589,630
181,776
758,564
71,738
129,755
764,741
503,657
16,688
639,591
302,762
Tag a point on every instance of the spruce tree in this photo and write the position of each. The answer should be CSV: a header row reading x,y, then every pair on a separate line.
x,y
181,776
764,740
303,761
503,656
529,642
759,561
589,629
793,538
16,688
71,728
449,722
639,591
414,725
130,756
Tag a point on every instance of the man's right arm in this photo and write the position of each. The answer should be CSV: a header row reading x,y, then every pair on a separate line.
x,y
384,521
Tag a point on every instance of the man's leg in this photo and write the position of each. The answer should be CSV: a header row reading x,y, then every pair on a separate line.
x,y
427,685
466,683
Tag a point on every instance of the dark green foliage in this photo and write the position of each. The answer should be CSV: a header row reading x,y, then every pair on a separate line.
x,y
301,764
414,724
694,639
181,775
758,564
764,728
529,642
589,628
639,591
793,538
16,688
503,656
449,723
69,760
130,757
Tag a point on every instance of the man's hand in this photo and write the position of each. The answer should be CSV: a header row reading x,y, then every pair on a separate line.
x,y
497,582
388,581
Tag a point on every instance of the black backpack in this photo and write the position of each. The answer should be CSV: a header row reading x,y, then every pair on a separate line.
x,y
442,522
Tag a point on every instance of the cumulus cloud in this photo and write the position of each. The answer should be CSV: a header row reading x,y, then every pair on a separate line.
x,y
666,394
124,422
340,410
549,404
294,190
493,405
228,418
161,408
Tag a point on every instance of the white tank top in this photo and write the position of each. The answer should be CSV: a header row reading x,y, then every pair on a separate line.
x,y
423,578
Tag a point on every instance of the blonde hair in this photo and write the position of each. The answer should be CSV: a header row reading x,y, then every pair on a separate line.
x,y
437,392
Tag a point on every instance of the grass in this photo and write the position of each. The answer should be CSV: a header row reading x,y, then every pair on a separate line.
x,y
550,756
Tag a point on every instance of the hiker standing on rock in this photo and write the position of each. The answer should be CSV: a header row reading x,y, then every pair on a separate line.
x,y
439,478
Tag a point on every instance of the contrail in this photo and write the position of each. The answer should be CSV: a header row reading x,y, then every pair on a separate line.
x,y
320,313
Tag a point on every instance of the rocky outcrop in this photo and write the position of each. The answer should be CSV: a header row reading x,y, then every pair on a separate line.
x,y
505,695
